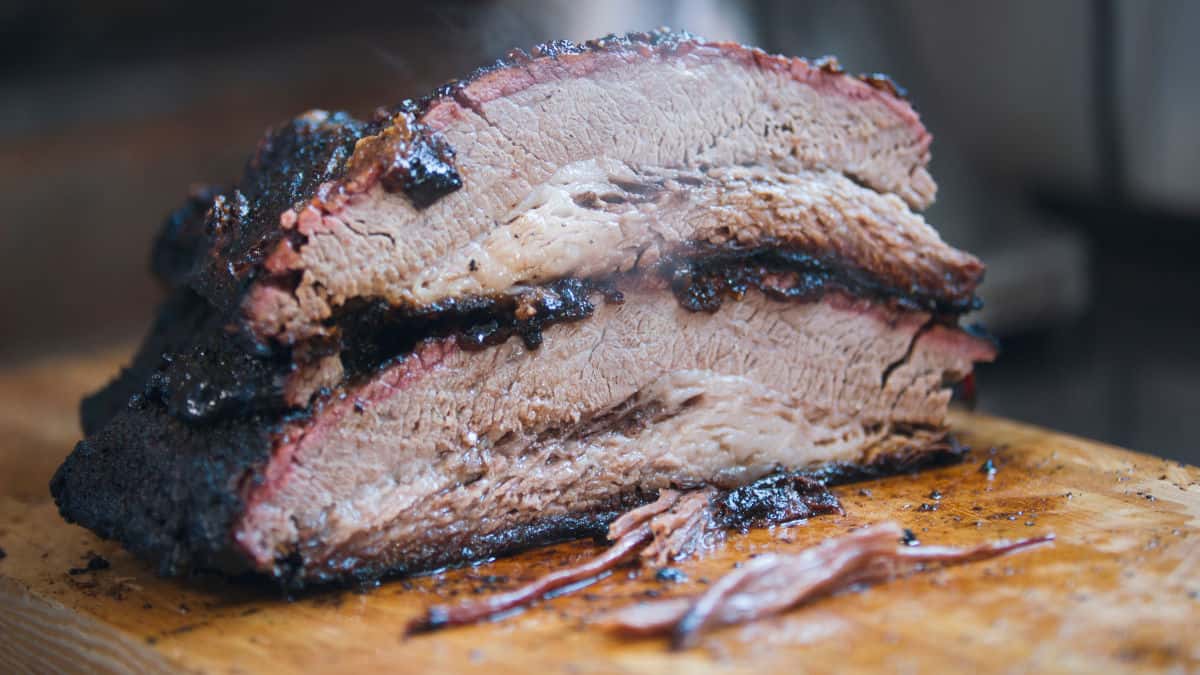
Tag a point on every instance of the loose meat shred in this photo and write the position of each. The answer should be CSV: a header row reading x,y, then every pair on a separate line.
x,y
673,527
687,527
629,534
444,617
631,519
773,583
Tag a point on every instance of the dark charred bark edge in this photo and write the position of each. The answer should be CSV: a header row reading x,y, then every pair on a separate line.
x,y
167,491
704,275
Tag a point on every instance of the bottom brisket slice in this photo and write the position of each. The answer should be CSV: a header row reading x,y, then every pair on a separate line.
x,y
449,447
450,455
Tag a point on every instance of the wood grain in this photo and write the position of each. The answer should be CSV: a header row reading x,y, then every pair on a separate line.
x,y
1119,591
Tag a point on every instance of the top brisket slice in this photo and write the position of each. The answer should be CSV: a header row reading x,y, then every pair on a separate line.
x,y
499,315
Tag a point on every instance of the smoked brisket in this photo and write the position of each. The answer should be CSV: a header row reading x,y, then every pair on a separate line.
x,y
503,314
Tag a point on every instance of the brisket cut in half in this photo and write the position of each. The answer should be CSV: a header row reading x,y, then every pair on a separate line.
x,y
502,314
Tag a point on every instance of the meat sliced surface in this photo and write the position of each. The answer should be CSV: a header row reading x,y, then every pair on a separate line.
x,y
506,313
594,218
641,396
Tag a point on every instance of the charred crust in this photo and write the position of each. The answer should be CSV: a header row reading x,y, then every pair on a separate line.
x,y
369,334
779,498
197,368
241,225
209,381
184,318
405,156
704,276
166,490
182,241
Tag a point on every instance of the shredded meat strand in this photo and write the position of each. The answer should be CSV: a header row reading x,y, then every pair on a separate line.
x,y
443,616
688,526
629,520
630,534
773,583
673,527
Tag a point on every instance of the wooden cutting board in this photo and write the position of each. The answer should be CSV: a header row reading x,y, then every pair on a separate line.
x,y
1119,591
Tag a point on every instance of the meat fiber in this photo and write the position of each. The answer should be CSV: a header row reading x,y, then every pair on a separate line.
x,y
508,312
671,528
770,584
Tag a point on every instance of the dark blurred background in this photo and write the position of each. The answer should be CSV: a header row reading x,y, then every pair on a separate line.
x,y
1067,152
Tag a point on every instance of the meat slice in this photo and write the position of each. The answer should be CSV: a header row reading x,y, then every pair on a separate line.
x,y
506,313
641,396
